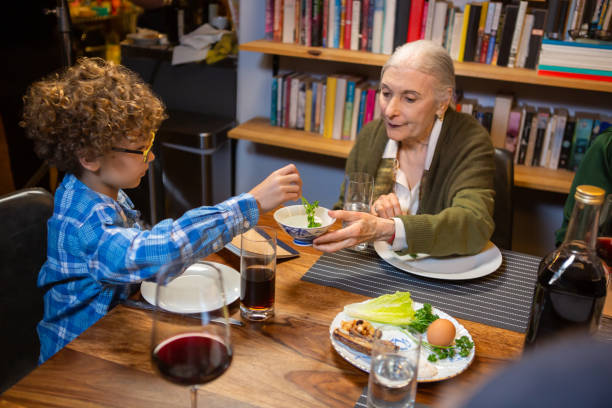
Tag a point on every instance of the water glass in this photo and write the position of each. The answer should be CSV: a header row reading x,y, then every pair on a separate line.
x,y
393,375
257,273
358,189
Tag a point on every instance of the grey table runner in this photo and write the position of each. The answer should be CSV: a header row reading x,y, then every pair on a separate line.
x,y
362,402
501,299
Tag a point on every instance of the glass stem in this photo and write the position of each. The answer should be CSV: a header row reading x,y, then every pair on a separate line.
x,y
194,397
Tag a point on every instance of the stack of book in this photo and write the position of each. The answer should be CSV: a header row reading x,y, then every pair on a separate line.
x,y
336,106
572,59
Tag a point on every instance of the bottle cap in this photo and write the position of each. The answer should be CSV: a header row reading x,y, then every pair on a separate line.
x,y
590,194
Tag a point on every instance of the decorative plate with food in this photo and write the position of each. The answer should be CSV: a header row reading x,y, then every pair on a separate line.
x,y
447,347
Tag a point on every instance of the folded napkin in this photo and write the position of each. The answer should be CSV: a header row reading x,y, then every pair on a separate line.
x,y
195,45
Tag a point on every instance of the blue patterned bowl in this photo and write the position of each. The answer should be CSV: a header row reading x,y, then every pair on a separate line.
x,y
293,220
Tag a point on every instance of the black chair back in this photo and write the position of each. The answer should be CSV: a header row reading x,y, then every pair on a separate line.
x,y
503,213
23,250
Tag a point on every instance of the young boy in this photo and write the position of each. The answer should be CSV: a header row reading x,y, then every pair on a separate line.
x,y
96,121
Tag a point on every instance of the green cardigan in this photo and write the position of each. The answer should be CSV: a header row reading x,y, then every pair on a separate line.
x,y
456,194
595,169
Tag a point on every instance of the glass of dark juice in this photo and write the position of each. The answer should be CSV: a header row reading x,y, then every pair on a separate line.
x,y
257,273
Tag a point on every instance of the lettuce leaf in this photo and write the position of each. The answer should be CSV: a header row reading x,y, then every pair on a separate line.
x,y
393,309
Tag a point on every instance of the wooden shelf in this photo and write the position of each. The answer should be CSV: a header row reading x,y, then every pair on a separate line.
x,y
259,130
466,69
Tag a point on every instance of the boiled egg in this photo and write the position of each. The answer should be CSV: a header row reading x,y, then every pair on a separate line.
x,y
441,332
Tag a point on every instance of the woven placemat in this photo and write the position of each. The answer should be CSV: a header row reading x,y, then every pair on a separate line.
x,y
362,402
501,299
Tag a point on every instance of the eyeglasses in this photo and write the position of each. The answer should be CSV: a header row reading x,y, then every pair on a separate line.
x,y
145,152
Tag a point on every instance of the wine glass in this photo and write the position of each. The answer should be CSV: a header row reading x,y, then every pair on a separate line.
x,y
190,340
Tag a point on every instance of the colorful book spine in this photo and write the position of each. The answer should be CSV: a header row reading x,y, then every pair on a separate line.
x,y
336,22
464,28
308,107
274,100
494,33
603,78
341,31
543,118
580,143
269,30
325,24
379,12
355,19
524,141
330,103
423,30
348,24
317,17
365,7
369,113
278,20
416,15
348,110
362,109
566,146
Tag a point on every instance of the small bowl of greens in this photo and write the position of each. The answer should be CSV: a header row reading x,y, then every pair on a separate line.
x,y
304,222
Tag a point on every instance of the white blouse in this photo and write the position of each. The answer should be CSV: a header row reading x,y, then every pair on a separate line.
x,y
409,197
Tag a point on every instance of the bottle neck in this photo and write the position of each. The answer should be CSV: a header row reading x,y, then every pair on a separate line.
x,y
583,225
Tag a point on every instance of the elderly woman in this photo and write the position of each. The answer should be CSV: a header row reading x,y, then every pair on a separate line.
x,y
433,167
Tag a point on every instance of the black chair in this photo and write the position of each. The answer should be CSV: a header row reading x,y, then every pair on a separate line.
x,y
23,250
503,213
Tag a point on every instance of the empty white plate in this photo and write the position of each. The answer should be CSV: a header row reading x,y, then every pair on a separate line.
x,y
192,291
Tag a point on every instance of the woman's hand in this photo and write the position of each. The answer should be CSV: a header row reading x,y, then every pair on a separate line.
x,y
281,185
362,227
386,206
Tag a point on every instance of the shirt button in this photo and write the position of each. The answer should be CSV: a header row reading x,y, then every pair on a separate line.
x,y
246,224
216,246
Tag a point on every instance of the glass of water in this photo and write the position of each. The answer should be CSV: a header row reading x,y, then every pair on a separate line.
x,y
358,189
393,375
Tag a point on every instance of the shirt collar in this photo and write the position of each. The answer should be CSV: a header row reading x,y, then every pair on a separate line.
x,y
392,146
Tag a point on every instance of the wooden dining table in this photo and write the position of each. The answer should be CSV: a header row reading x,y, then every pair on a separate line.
x,y
286,362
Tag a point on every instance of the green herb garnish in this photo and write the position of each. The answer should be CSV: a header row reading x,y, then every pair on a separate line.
x,y
310,212
462,346
423,318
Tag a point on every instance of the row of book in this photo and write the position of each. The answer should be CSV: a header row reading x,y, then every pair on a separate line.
x,y
336,106
487,32
537,136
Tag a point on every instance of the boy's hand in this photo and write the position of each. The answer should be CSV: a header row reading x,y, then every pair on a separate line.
x,y
360,227
281,185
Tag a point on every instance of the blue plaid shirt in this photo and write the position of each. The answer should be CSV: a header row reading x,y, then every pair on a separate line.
x,y
96,249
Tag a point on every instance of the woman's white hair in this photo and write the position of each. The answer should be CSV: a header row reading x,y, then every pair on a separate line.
x,y
429,58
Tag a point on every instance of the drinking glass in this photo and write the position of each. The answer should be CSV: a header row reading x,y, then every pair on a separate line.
x,y
191,349
257,273
393,375
358,189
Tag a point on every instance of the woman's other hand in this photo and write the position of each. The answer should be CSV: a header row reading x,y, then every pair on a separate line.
x,y
360,227
386,206
284,184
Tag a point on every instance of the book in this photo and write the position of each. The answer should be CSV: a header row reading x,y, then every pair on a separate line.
x,y
424,21
566,145
485,117
456,36
574,70
580,141
559,24
505,43
486,36
348,23
269,30
288,21
543,117
388,26
308,105
296,104
494,33
377,28
323,109
340,99
332,35
599,126
274,100
362,107
468,106
330,104
414,24
369,108
568,20
356,110
365,7
278,20
521,151
535,40
317,96
428,19
549,28
516,35
471,34
557,140
501,114
464,29
402,16
512,131
546,142
439,20
448,32
317,23
591,77
356,19
307,19
370,24
481,29
532,139
325,24
348,107
524,44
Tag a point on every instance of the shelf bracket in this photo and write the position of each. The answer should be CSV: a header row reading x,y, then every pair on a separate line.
x,y
275,64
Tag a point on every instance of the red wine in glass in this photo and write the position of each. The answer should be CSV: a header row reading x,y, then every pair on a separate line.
x,y
604,250
192,358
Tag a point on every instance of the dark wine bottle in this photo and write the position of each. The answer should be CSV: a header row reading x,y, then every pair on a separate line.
x,y
570,290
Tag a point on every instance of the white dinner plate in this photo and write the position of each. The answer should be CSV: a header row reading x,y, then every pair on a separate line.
x,y
447,368
189,290
452,268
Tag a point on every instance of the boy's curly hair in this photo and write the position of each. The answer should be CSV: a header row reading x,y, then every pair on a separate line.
x,y
86,110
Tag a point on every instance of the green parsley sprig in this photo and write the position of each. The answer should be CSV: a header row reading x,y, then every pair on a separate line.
x,y
310,212
423,318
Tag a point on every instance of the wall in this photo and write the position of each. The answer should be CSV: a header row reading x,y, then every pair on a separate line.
x,y
537,214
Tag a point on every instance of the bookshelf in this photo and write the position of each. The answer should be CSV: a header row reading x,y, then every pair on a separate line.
x,y
259,130
464,69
